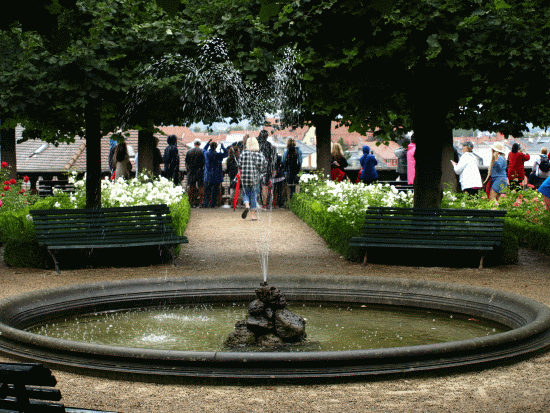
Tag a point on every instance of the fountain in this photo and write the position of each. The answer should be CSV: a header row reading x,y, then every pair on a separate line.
x,y
269,323
528,320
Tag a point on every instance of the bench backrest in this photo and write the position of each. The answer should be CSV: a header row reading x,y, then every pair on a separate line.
x,y
16,393
123,223
419,223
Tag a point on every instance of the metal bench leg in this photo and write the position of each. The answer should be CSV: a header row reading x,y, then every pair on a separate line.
x,y
55,261
481,261
365,263
172,249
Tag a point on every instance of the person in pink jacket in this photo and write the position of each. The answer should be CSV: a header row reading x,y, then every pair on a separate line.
x,y
411,162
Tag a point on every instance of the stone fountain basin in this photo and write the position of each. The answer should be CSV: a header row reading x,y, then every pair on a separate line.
x,y
528,319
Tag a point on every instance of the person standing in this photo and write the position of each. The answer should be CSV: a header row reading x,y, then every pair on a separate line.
x,y
468,170
292,163
497,171
401,155
541,168
544,189
516,167
270,155
252,165
194,163
172,160
337,163
233,168
368,161
213,175
411,161
123,164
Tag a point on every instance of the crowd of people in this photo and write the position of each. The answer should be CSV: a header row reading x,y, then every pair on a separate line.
x,y
254,166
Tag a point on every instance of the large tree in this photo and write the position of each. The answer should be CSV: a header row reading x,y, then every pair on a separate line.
x,y
421,65
79,88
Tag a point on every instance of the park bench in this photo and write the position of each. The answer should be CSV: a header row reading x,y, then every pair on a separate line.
x,y
401,186
18,391
450,229
62,229
46,187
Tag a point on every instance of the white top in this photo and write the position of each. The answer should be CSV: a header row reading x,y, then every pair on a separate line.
x,y
538,172
468,170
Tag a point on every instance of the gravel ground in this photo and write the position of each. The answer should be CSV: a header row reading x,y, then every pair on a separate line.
x,y
222,243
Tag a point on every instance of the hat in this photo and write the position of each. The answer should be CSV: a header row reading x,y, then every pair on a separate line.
x,y
498,147
468,144
197,141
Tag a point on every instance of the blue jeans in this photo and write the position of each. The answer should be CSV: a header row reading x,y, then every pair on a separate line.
x,y
250,196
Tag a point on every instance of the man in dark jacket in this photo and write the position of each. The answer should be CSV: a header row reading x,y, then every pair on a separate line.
x,y
172,160
194,162
270,155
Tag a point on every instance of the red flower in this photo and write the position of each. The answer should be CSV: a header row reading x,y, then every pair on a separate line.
x,y
22,191
26,178
6,182
7,188
13,181
1,203
4,164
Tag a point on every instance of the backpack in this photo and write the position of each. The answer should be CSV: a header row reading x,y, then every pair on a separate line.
x,y
544,165
292,163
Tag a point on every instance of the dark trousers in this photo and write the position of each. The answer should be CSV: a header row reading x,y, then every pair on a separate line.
x,y
211,194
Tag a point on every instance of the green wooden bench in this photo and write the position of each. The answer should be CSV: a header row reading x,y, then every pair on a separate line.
x,y
62,229
19,394
451,229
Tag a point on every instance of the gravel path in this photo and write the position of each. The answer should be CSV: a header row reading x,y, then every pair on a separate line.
x,y
222,243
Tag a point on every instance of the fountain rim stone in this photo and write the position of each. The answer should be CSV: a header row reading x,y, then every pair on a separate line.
x,y
528,319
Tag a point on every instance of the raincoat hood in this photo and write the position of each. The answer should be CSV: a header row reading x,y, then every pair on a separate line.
x,y
366,149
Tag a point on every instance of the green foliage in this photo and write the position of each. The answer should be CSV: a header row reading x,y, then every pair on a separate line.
x,y
19,238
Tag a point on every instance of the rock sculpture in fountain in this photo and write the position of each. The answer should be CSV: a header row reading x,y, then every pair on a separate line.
x,y
269,322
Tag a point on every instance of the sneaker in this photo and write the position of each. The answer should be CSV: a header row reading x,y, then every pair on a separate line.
x,y
264,207
245,212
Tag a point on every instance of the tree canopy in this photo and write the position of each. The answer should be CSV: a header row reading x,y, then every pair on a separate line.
x,y
421,65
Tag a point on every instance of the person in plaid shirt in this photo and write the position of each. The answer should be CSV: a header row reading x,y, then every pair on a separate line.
x,y
253,167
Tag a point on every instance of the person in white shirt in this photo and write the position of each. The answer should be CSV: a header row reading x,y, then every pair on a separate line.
x,y
468,171
540,175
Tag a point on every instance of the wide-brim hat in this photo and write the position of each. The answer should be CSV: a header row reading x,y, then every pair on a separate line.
x,y
498,147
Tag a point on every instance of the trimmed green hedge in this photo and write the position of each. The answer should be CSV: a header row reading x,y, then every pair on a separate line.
x,y
22,250
337,232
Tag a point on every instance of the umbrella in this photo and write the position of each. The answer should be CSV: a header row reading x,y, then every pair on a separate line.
x,y
237,188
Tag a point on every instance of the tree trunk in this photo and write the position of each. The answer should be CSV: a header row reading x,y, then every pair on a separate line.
x,y
448,175
145,152
93,155
7,142
322,132
428,156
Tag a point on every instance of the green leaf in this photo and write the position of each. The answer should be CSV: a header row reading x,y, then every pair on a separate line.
x,y
501,4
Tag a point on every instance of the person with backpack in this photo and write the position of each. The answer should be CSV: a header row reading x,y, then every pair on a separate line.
x,y
292,164
541,168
